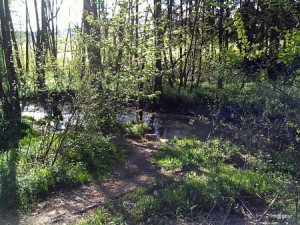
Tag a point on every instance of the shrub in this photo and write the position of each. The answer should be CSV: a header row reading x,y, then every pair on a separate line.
x,y
96,152
135,129
38,181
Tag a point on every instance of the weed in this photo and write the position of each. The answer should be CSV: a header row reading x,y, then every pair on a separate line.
x,y
135,129
33,174
185,153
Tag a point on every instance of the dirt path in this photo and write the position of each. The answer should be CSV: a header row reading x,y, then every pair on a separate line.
x,y
70,206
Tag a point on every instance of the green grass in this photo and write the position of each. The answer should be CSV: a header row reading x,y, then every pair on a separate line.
x,y
98,218
135,129
101,217
29,172
39,181
201,178
209,175
180,153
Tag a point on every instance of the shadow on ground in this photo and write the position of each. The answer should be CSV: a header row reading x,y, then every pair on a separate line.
x,y
9,198
71,205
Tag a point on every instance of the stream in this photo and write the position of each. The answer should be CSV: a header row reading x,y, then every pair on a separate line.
x,y
165,125
37,112
168,126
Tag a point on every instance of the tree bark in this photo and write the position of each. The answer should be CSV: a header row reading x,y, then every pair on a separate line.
x,y
158,54
11,105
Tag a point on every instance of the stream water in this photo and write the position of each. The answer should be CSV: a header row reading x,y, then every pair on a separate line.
x,y
172,125
38,112
165,125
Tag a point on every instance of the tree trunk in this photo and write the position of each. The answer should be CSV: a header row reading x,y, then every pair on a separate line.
x,y
220,37
11,106
27,39
158,55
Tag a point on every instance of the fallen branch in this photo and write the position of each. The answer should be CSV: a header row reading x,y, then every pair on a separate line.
x,y
228,212
90,207
267,210
246,208
58,218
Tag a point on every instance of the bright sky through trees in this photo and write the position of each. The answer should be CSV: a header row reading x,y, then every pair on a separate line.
x,y
70,11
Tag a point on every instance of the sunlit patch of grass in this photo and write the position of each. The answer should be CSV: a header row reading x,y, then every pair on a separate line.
x,y
98,218
247,181
170,163
203,189
194,153
210,177
135,129
102,216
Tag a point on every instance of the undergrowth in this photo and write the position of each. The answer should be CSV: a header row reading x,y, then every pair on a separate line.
x,y
200,182
42,164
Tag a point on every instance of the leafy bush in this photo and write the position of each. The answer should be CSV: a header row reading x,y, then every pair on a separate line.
x,y
82,157
135,129
97,153
38,181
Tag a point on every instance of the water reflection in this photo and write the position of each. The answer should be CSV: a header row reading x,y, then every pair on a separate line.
x,y
170,126
165,125
34,111
174,125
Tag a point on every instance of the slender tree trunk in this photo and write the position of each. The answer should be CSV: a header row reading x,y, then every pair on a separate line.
x,y
181,75
201,44
171,77
27,39
11,106
158,54
193,30
40,45
141,83
220,37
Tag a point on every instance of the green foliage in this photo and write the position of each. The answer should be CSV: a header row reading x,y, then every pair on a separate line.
x,y
10,133
34,175
96,152
115,62
293,49
38,181
180,153
208,179
135,129
98,218
146,205
102,217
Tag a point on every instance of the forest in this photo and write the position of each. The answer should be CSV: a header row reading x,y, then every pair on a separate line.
x,y
149,112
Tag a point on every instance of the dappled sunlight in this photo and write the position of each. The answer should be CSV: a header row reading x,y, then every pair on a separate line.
x,y
149,112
